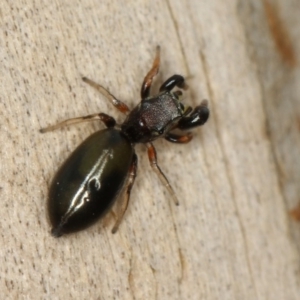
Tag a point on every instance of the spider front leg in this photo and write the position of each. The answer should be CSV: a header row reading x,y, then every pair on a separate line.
x,y
196,118
145,90
106,119
179,139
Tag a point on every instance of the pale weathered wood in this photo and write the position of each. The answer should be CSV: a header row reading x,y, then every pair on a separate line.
x,y
231,237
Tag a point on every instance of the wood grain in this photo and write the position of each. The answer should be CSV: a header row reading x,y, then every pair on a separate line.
x,y
232,236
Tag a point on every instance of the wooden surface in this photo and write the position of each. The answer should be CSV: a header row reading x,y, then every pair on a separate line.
x,y
232,236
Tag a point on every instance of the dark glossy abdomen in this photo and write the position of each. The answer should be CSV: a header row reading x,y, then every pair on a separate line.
x,y
89,181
